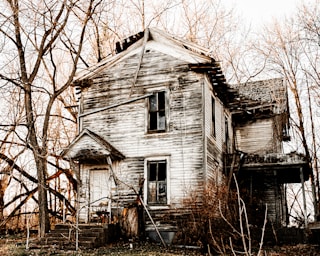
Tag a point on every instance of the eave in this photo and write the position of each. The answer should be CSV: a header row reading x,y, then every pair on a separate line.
x,y
88,146
287,168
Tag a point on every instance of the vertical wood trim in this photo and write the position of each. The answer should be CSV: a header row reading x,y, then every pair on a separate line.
x,y
80,119
251,189
167,97
204,137
89,196
278,215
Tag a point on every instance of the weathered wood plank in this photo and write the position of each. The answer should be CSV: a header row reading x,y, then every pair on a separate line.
x,y
124,126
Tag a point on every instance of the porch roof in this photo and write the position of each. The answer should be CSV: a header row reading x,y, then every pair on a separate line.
x,y
90,146
287,167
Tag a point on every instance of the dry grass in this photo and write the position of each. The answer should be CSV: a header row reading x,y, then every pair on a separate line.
x,y
15,246
11,246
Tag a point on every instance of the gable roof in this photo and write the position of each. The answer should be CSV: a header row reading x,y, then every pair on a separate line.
x,y
198,58
238,98
89,145
151,37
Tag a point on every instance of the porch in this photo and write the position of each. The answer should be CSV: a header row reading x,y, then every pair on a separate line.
x,y
262,181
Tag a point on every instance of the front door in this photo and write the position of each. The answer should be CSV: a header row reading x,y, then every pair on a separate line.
x,y
100,194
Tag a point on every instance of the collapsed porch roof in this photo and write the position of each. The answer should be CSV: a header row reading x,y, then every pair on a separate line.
x,y
90,146
286,167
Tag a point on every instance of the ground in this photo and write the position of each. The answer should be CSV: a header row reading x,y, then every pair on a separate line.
x,y
16,246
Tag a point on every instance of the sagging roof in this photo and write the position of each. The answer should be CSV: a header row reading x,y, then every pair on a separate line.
x,y
266,96
288,167
253,98
89,145
258,99
139,40
270,93
199,57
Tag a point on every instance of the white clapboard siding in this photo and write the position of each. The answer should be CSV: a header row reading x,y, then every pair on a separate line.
x,y
248,141
213,144
125,126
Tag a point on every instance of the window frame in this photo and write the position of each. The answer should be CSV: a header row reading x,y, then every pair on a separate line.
x,y
213,117
226,133
157,159
160,111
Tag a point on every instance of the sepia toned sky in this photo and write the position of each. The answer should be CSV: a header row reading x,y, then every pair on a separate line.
x,y
260,12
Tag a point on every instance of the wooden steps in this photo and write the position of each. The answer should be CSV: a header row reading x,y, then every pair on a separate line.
x,y
63,236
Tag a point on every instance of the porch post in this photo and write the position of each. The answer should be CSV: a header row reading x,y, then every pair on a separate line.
x,y
78,208
115,179
304,198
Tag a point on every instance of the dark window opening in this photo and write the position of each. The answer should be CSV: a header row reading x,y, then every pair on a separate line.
x,y
157,112
213,117
285,133
226,133
157,182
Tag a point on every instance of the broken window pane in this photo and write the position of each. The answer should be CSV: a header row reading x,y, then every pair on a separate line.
x,y
162,188
162,171
213,113
153,121
162,196
161,101
153,103
157,183
152,171
162,121
152,192
157,112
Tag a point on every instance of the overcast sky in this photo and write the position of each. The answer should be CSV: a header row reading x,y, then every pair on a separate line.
x,y
259,12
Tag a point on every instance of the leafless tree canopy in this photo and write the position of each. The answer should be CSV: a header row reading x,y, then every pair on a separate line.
x,y
44,43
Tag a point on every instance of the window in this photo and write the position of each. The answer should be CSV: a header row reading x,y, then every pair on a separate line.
x,y
226,133
213,117
157,112
157,182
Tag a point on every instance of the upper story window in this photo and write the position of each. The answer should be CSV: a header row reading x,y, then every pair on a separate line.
x,y
213,117
157,113
226,133
157,182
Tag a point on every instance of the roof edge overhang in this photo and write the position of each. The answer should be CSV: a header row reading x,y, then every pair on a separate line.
x,y
104,150
288,168
128,46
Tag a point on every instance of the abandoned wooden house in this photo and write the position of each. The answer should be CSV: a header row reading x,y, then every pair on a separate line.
x,y
158,121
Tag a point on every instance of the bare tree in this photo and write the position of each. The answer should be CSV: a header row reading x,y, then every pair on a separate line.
x,y
116,20
41,47
207,23
40,53
290,50
309,34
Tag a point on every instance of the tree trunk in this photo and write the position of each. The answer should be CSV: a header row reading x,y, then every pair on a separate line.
x,y
3,187
44,223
